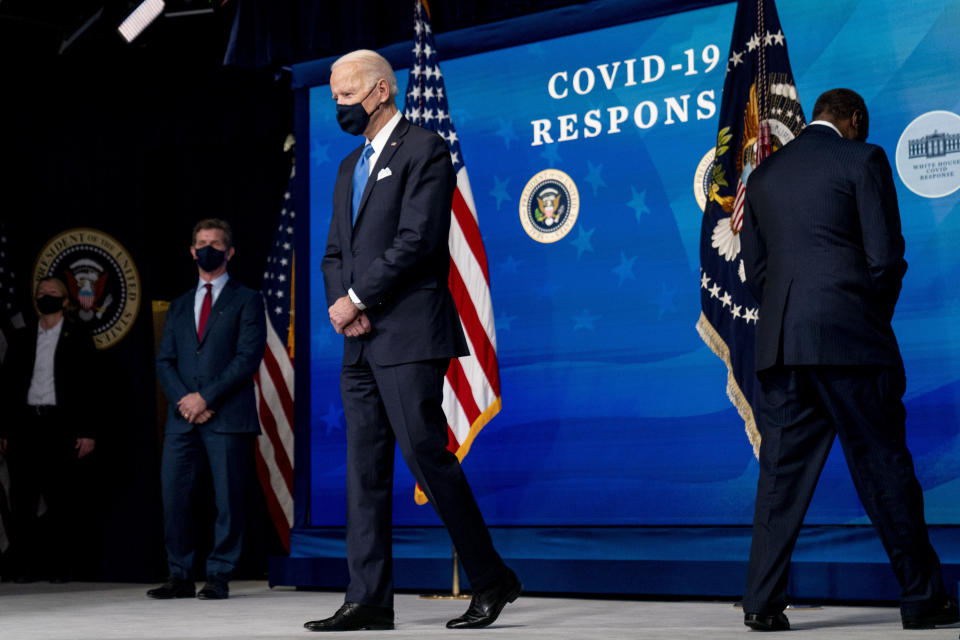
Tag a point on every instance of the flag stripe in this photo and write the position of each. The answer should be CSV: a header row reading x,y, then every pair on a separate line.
x,y
474,281
462,388
268,421
483,393
282,358
283,399
470,232
276,511
457,420
482,347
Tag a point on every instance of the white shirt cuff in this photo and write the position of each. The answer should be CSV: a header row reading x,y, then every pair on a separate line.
x,y
355,299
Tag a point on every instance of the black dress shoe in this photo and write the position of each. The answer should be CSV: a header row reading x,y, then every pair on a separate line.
x,y
946,613
215,589
762,622
355,617
486,605
174,588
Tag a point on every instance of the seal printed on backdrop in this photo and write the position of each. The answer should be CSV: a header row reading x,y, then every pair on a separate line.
x,y
928,154
702,177
549,206
102,281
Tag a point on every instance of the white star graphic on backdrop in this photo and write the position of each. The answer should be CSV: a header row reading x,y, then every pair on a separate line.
x,y
625,269
584,321
583,241
638,202
594,177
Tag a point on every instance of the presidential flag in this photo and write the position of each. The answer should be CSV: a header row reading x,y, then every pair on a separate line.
x,y
471,390
274,380
760,112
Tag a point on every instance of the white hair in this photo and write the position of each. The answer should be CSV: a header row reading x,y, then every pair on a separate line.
x,y
372,65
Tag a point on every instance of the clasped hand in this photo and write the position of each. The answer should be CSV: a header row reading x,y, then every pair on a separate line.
x,y
347,319
194,409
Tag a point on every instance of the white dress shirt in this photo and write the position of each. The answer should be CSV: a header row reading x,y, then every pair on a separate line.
x,y
218,283
380,140
827,124
42,389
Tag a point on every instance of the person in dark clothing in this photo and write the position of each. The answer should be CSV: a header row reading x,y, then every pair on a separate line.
x,y
823,255
44,386
213,341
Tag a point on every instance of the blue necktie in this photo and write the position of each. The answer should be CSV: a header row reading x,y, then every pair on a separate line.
x,y
360,175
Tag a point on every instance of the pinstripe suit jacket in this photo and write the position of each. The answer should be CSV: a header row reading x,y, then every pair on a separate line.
x,y
823,253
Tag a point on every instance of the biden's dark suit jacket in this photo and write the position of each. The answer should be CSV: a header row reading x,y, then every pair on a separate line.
x,y
823,253
396,256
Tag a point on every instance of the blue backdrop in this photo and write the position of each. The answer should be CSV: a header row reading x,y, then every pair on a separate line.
x,y
614,411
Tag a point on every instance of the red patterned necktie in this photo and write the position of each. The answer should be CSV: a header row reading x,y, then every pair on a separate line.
x,y
205,310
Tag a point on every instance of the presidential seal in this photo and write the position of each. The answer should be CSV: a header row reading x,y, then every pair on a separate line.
x,y
102,280
549,206
702,177
928,154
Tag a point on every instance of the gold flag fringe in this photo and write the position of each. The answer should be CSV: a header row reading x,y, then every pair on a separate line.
x,y
418,495
710,336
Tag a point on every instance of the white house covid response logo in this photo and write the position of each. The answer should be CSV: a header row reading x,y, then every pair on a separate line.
x,y
549,206
928,154
102,281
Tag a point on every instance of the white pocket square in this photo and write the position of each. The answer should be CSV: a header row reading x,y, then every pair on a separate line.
x,y
384,173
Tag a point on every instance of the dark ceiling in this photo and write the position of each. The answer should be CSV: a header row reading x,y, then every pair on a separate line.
x,y
266,33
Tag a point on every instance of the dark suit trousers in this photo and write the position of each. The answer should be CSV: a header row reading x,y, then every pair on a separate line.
x,y
402,404
799,411
185,457
43,462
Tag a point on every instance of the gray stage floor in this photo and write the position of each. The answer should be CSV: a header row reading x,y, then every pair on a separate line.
x,y
111,611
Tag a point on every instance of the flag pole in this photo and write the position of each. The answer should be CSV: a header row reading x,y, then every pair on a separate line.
x,y
455,588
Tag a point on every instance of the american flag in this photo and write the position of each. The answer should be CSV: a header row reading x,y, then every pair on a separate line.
x,y
471,391
274,380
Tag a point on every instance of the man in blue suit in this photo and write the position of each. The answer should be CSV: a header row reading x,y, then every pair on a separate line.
x,y
823,255
212,344
385,271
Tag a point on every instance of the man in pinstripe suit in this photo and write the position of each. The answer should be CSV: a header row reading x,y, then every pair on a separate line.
x,y
823,254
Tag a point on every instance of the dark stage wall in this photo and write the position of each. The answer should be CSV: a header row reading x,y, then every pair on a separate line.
x,y
142,140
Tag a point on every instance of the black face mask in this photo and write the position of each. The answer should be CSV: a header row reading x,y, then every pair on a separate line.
x,y
49,304
210,258
353,118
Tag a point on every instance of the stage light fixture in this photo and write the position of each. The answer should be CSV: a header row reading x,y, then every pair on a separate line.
x,y
140,19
